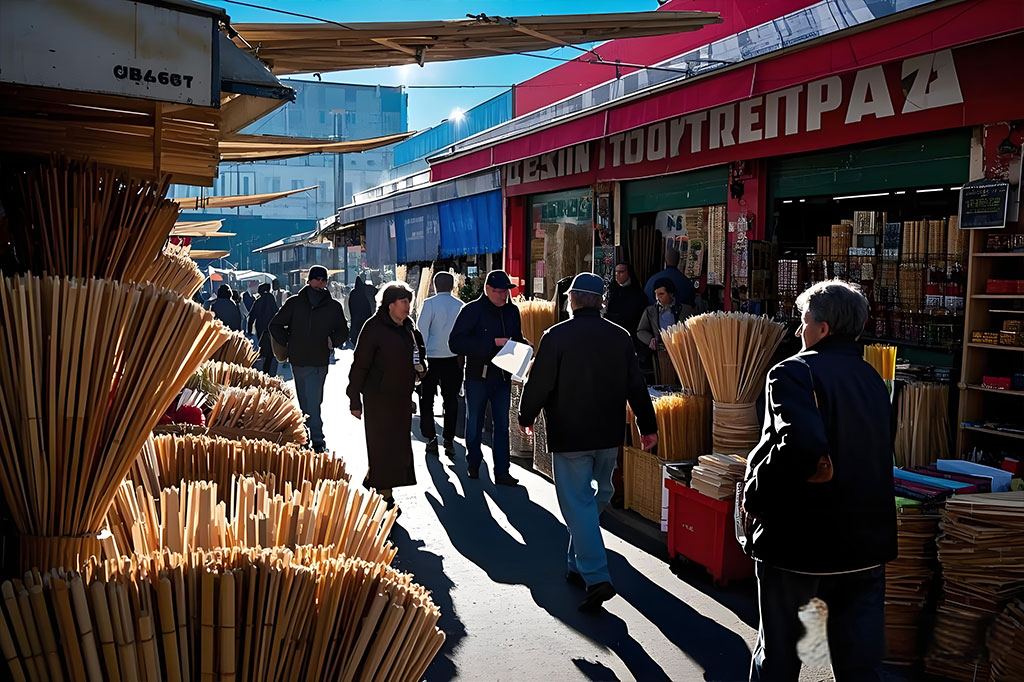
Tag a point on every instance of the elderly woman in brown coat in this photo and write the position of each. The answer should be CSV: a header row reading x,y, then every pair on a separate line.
x,y
389,357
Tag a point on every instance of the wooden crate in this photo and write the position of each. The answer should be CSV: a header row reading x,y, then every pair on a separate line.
x,y
644,481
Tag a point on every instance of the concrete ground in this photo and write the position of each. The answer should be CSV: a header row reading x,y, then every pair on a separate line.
x,y
494,559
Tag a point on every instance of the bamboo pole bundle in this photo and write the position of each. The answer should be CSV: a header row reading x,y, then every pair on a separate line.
x,y
246,614
883,359
735,349
168,459
87,368
537,315
682,350
174,270
922,430
237,376
236,350
258,410
75,219
189,517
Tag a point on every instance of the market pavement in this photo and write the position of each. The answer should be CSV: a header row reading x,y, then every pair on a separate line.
x,y
494,560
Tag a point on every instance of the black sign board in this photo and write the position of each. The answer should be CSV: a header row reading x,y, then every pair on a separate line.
x,y
983,204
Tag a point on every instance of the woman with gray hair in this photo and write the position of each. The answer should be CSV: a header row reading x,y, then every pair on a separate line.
x,y
818,493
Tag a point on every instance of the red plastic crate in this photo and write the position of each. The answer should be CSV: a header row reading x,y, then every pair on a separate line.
x,y
702,530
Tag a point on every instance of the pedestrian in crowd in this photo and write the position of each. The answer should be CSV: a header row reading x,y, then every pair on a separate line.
x,y
248,300
562,299
683,286
264,308
311,325
626,301
584,373
360,306
481,329
281,295
388,360
226,310
818,494
243,309
666,311
444,368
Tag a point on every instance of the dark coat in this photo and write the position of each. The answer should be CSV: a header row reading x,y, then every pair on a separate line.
x,y
848,523
360,306
584,373
650,327
261,313
381,383
477,325
227,312
305,328
626,305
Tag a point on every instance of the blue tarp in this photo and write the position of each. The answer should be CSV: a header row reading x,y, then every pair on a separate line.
x,y
418,234
471,225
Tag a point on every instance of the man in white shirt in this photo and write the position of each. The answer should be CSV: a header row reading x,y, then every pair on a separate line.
x,y
444,368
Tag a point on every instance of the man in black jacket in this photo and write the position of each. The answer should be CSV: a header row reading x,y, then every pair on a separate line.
x,y
311,324
481,329
226,310
584,373
819,488
262,312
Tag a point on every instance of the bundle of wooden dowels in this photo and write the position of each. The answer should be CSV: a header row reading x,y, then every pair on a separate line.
x,y
882,358
684,426
245,614
537,315
75,219
236,376
257,410
922,430
175,270
196,515
682,350
87,368
237,349
167,459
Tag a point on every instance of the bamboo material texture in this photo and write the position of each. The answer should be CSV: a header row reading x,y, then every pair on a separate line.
x,y
239,614
537,315
922,431
684,426
257,409
237,376
87,367
192,516
174,270
75,219
236,350
682,350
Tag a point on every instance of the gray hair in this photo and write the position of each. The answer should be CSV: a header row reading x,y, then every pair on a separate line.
x,y
585,299
841,304
444,281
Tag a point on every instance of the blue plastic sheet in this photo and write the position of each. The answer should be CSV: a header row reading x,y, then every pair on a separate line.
x,y
418,234
471,225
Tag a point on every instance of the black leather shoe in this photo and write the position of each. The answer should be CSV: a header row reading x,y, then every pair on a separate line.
x,y
506,479
474,472
597,595
449,448
432,447
574,578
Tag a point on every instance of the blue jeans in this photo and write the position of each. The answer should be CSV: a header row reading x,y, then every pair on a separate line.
x,y
575,474
856,622
478,394
309,388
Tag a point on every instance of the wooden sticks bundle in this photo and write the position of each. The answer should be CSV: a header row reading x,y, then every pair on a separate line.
x,y
168,459
258,410
682,350
188,517
87,367
176,271
882,358
684,426
236,350
245,614
537,315
922,432
75,219
735,349
237,376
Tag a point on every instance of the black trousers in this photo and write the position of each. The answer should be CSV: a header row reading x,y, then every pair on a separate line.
x,y
267,362
446,373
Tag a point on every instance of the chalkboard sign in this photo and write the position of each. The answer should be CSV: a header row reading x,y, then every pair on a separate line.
x,y
983,204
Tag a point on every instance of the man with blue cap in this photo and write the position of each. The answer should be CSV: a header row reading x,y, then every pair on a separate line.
x,y
584,372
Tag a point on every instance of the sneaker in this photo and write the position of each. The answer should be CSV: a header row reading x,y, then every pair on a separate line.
x,y
432,447
506,479
597,595
574,578
474,472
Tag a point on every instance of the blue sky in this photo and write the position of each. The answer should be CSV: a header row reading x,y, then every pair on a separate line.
x,y
427,107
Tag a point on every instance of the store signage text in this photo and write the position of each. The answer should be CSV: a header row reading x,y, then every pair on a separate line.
x,y
557,164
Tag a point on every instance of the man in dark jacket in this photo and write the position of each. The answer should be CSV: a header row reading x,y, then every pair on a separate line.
x,y
819,490
311,325
685,292
584,373
361,305
226,310
481,329
626,299
262,312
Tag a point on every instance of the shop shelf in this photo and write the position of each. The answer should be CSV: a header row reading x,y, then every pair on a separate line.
x,y
1001,254
993,346
1018,297
1007,311
1001,391
996,432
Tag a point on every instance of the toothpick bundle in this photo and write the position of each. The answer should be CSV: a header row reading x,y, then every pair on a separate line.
x,y
239,614
682,350
735,349
537,316
175,270
684,426
238,376
236,350
256,409
87,368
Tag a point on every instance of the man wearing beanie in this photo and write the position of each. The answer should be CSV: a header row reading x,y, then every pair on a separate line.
x,y
311,325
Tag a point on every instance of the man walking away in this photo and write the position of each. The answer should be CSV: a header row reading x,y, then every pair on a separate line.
x,y
263,310
437,318
360,306
311,325
584,373
683,287
481,329
818,490
226,310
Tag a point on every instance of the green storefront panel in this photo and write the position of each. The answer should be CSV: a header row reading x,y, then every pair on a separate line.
x,y
927,161
705,187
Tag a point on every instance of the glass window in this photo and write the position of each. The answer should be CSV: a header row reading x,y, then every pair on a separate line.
x,y
561,239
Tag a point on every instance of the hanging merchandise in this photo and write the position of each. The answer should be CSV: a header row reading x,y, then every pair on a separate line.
x,y
237,349
257,413
922,434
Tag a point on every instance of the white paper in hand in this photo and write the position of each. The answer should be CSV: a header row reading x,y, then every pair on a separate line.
x,y
514,358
